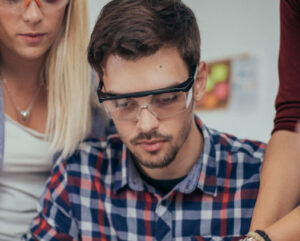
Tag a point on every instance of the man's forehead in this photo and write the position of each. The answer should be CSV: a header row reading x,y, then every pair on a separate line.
x,y
163,69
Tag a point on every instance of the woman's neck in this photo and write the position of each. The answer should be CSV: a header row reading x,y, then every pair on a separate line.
x,y
21,73
23,89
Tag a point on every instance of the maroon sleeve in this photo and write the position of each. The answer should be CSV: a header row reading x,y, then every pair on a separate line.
x,y
288,96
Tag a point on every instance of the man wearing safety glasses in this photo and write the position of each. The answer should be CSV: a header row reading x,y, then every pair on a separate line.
x,y
164,175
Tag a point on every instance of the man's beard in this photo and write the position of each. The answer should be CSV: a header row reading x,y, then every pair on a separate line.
x,y
170,154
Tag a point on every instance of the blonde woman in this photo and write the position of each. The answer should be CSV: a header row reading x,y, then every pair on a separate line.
x,y
45,99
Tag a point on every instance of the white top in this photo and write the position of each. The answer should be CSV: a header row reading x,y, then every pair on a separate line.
x,y
26,167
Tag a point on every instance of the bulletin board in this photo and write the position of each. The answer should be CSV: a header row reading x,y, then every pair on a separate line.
x,y
218,86
231,83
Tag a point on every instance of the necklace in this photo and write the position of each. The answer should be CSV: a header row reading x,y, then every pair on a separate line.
x,y
23,115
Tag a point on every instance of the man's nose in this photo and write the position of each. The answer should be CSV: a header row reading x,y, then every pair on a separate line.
x,y
147,120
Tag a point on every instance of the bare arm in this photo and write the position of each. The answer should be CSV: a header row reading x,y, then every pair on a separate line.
x,y
279,189
287,228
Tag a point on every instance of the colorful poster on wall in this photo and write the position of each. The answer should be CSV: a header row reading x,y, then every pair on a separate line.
x,y
231,83
217,87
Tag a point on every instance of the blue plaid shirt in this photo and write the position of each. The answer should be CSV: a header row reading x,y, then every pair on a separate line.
x,y
98,194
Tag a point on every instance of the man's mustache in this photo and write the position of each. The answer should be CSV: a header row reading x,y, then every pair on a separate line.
x,y
148,136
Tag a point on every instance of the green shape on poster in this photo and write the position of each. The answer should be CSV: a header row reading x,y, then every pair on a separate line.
x,y
219,72
210,84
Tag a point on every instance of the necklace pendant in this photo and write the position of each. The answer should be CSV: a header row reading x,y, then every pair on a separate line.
x,y
23,115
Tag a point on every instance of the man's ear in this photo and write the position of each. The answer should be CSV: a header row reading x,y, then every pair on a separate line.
x,y
98,81
100,84
200,82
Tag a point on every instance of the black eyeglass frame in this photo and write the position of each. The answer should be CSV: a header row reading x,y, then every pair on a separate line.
x,y
184,87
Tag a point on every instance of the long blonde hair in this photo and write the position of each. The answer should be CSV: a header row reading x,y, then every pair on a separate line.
x,y
69,82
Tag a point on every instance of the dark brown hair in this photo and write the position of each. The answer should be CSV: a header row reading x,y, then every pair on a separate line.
x,y
133,29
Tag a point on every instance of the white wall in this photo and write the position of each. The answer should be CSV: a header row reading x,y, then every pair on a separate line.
x,y
230,28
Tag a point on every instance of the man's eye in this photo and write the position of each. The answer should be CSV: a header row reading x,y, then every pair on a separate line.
x,y
124,104
166,99
51,1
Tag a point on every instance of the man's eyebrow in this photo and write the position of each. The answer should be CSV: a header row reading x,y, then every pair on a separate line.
x,y
170,86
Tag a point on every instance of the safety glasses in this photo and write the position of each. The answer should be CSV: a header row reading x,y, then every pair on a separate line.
x,y
162,103
45,5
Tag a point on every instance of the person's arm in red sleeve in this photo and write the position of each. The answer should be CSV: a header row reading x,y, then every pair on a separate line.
x,y
280,178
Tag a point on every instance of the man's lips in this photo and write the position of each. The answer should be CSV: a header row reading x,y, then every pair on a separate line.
x,y
151,146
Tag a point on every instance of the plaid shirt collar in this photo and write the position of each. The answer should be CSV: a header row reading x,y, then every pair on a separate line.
x,y
203,174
